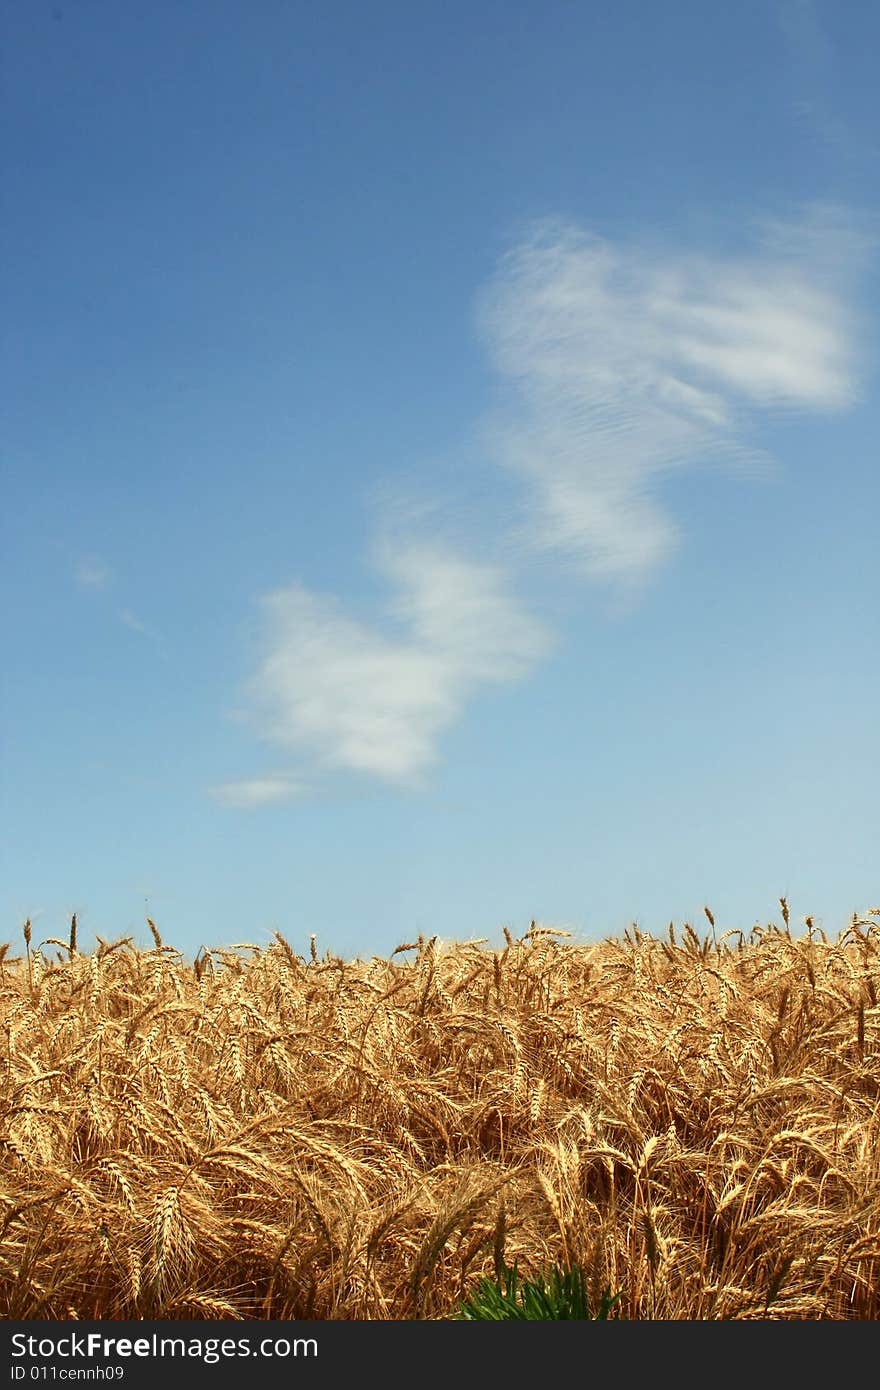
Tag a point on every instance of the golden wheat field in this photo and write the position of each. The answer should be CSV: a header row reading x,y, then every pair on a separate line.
x,y
256,1134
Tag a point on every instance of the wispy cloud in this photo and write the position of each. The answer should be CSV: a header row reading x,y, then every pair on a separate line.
x,y
625,364
808,50
353,696
131,620
92,573
136,624
253,792
811,75
620,365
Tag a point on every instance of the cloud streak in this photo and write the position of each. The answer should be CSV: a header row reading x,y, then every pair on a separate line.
x,y
622,366
250,793
375,700
92,573
132,621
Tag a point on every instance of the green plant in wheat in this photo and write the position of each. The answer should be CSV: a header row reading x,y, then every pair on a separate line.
x,y
561,1295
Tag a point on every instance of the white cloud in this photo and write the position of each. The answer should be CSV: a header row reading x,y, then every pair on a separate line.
x,y
92,574
132,620
621,366
257,791
354,697
625,364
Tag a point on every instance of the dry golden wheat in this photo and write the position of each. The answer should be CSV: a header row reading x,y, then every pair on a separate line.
x,y
695,1121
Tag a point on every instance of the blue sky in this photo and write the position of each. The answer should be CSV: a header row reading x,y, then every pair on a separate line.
x,y
439,471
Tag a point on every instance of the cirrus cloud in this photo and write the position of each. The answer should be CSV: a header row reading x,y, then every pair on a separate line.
x,y
623,364
620,366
